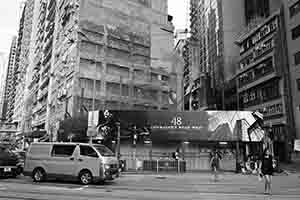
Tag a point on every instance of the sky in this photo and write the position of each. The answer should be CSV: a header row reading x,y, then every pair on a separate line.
x,y
10,13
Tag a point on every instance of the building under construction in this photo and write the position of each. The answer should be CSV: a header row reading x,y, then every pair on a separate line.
x,y
95,55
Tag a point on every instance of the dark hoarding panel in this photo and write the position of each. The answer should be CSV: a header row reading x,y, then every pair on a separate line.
x,y
165,126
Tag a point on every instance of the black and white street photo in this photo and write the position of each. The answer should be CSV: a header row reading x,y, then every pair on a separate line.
x,y
149,99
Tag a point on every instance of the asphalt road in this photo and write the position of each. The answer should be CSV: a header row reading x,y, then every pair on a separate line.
x,y
146,187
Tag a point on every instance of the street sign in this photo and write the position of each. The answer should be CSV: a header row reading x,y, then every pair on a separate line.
x,y
93,118
297,145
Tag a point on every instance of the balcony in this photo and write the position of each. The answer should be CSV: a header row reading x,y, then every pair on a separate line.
x,y
45,81
38,108
49,29
47,57
42,94
51,4
46,69
51,15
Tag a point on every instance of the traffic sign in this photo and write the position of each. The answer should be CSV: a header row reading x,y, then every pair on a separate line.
x,y
93,118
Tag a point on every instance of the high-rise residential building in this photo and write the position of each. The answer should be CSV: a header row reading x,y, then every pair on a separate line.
x,y
214,26
263,82
95,55
257,10
3,73
182,49
9,86
292,19
25,51
16,70
38,82
35,101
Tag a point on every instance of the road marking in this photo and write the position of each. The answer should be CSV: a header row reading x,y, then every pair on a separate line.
x,y
53,188
62,188
81,188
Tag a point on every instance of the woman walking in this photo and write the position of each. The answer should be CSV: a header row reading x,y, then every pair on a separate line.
x,y
266,168
215,165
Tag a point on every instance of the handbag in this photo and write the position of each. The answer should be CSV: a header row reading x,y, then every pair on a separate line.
x,y
274,164
260,176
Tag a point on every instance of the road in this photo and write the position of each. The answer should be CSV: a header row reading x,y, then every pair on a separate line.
x,y
147,187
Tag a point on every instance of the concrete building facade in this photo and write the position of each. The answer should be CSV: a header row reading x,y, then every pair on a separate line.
x,y
25,51
16,71
9,79
292,18
214,26
101,55
263,82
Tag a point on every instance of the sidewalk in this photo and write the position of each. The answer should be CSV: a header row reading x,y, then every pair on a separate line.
x,y
286,171
293,167
165,173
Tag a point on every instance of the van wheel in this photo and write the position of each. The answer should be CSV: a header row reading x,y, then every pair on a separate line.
x,y
38,175
85,177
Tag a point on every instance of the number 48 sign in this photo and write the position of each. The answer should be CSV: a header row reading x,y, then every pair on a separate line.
x,y
176,121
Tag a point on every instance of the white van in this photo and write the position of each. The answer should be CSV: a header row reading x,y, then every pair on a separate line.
x,y
84,162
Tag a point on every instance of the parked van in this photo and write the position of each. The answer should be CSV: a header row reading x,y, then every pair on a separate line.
x,y
84,162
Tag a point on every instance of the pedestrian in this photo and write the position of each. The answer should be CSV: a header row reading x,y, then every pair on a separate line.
x,y
215,165
176,154
266,169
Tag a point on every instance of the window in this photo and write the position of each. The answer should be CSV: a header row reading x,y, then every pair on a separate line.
x,y
298,84
88,151
164,78
270,91
295,9
63,150
104,151
297,58
296,32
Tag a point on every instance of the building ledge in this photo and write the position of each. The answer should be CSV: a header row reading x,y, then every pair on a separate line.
x,y
258,81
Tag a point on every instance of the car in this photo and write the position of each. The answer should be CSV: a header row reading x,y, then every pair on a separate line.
x,y
86,163
8,162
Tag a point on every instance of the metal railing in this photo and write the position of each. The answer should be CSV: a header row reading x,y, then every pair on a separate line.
x,y
164,165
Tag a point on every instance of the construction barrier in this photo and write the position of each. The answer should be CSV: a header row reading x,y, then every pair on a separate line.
x,y
164,166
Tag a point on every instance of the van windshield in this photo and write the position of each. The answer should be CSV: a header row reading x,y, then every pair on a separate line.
x,y
104,151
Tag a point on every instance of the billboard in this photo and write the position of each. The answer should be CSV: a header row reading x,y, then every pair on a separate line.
x,y
182,126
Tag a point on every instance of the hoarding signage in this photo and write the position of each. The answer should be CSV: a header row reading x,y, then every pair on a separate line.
x,y
219,126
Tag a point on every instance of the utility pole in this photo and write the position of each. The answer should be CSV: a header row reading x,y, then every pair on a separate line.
x,y
118,140
93,101
120,100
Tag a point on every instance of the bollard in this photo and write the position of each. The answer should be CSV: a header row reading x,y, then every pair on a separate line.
x,y
157,165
